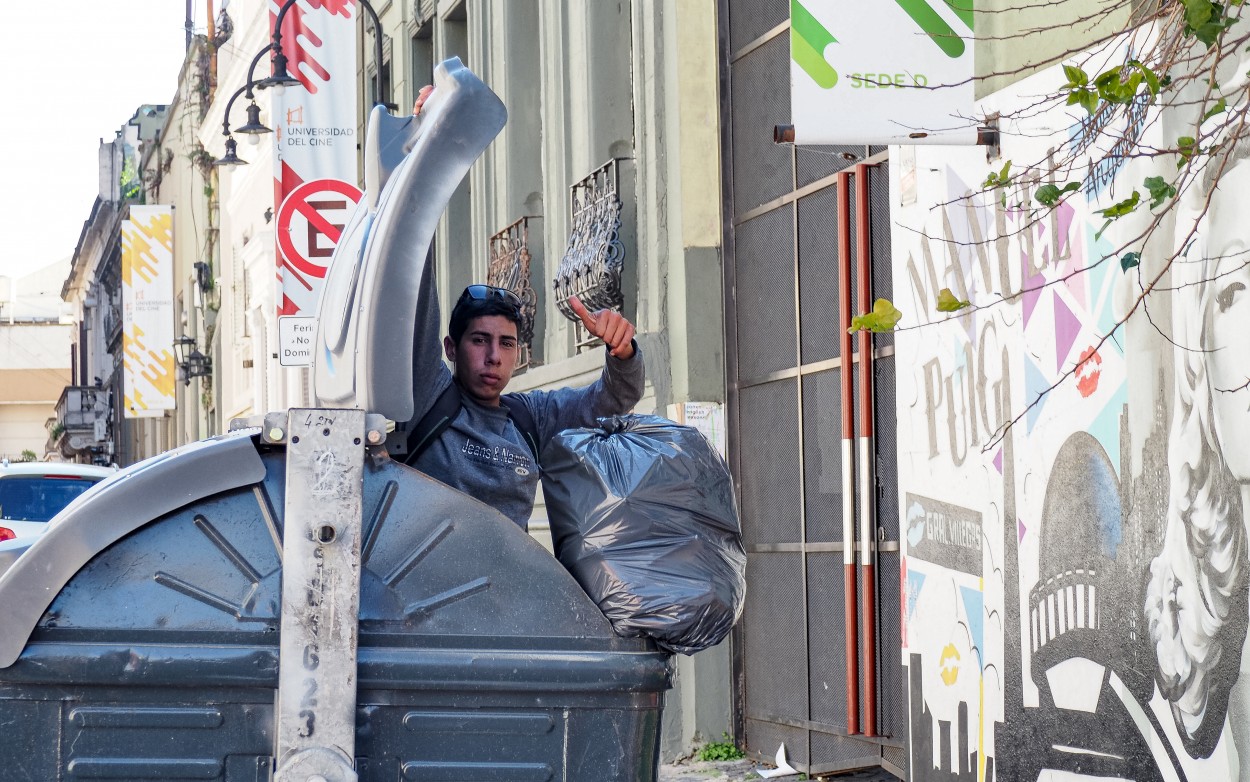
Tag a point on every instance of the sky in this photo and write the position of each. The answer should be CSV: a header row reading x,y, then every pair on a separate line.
x,y
74,72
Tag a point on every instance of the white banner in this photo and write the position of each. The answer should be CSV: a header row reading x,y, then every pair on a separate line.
x,y
148,311
315,132
882,72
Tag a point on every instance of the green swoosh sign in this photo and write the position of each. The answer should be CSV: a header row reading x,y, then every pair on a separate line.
x,y
808,39
936,27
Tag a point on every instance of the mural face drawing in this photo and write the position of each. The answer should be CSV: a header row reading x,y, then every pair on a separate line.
x,y
1229,361
1197,599
1226,315
1078,588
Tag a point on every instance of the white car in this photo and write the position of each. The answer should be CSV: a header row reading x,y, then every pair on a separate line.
x,y
31,493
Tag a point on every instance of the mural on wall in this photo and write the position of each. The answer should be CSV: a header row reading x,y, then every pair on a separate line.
x,y
1076,573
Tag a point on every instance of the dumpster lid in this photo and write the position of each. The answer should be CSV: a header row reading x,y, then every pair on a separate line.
x,y
367,315
109,511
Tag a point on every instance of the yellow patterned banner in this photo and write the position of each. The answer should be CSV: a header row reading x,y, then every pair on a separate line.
x,y
148,311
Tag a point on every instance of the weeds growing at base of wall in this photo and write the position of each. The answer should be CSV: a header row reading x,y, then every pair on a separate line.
x,y
720,750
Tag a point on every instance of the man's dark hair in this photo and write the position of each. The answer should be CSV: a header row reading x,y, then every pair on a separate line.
x,y
468,308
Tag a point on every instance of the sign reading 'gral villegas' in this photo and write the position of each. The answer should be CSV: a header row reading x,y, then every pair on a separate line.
x,y
882,72
315,164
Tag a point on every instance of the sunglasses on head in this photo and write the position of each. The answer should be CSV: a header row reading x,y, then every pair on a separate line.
x,y
484,292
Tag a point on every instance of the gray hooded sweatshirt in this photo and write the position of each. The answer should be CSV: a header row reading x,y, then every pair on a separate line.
x,y
481,452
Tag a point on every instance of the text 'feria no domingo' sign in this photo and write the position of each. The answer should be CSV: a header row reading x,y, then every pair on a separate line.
x,y
882,72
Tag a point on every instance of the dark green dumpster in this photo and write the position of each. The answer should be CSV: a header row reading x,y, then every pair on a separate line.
x,y
141,636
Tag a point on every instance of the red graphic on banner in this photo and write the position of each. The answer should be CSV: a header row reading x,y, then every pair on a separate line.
x,y
289,181
309,224
295,32
1088,370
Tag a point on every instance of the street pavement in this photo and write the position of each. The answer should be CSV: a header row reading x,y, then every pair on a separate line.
x,y
741,770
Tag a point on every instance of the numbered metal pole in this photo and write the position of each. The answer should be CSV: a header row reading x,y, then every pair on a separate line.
x,y
316,731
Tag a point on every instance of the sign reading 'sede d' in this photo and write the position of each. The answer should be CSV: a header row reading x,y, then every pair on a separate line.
x,y
882,72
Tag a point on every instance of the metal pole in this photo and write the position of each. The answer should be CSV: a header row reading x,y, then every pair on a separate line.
x,y
315,738
864,465
377,47
846,374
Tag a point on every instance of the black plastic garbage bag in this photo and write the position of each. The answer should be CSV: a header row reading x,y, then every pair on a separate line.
x,y
643,515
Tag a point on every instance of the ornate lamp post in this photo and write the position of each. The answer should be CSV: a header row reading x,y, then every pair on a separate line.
x,y
279,80
254,128
191,362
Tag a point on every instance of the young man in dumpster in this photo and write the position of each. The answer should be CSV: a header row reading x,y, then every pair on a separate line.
x,y
465,431
472,436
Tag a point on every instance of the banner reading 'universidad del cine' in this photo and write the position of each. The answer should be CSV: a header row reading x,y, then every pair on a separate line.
x,y
882,72
148,311
315,164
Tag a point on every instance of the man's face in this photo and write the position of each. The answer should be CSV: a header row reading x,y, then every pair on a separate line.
x,y
485,357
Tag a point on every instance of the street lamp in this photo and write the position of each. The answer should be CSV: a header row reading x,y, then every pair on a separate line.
x,y
281,78
253,128
191,362
231,157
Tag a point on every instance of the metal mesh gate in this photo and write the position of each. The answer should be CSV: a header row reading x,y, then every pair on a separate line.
x,y
786,403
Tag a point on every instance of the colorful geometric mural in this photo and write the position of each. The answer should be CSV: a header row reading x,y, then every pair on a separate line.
x,y
1097,629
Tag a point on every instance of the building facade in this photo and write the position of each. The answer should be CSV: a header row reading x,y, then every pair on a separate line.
x,y
155,159
612,136
34,361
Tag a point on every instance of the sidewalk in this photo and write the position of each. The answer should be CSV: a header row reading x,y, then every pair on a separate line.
x,y
740,770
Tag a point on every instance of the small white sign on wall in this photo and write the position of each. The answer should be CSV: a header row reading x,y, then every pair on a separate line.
x,y
707,417
295,339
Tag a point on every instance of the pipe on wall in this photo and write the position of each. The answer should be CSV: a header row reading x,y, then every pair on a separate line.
x,y
865,464
848,451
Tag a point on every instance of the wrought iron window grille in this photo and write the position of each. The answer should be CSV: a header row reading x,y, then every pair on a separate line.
x,y
594,257
509,267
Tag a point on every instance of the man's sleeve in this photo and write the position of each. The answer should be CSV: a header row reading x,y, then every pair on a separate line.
x,y
617,390
429,374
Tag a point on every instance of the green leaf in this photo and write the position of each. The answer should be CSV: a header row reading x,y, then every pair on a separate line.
x,y
884,317
1205,20
1122,208
1049,195
998,178
1198,12
1160,190
1186,147
1076,76
1107,78
1151,78
1219,108
946,302
1089,101
1129,260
